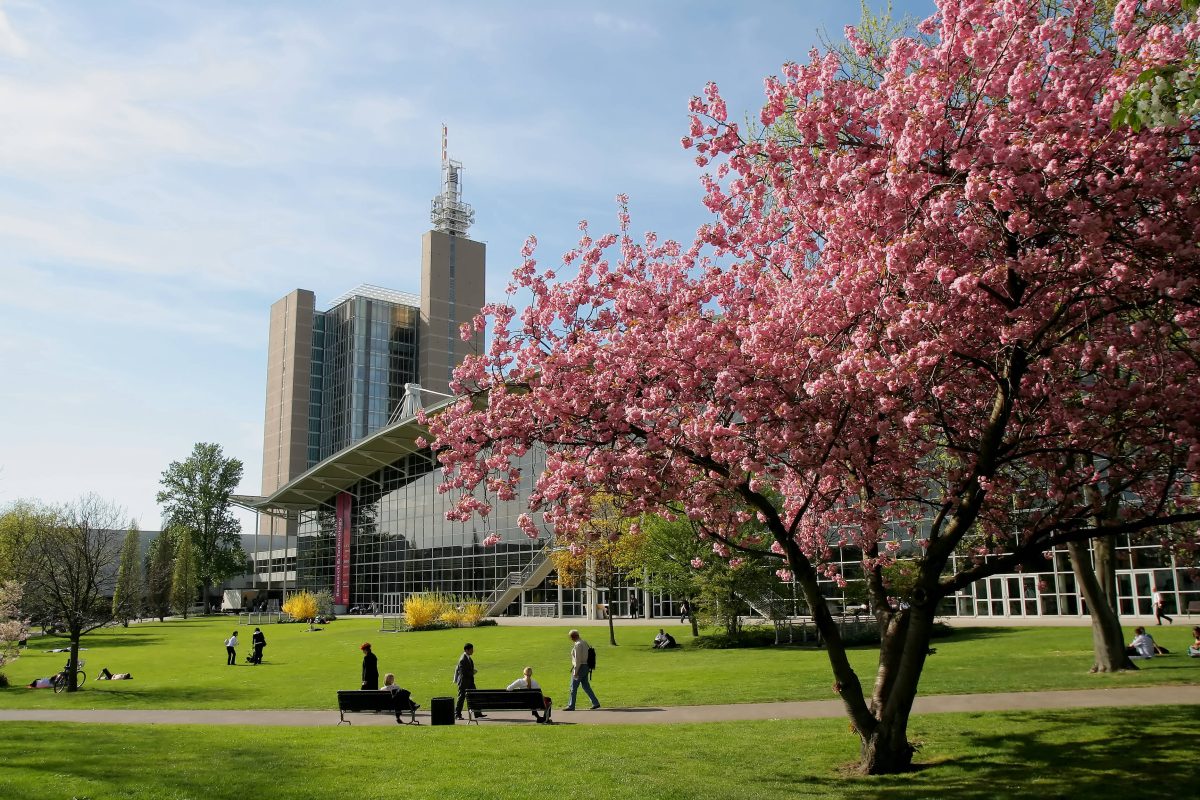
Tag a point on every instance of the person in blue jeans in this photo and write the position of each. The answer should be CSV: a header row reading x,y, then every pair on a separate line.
x,y
580,673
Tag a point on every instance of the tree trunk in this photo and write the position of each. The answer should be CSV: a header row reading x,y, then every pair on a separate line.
x,y
692,619
612,633
885,748
73,662
1108,640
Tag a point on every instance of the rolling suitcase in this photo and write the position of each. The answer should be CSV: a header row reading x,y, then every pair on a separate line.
x,y
441,711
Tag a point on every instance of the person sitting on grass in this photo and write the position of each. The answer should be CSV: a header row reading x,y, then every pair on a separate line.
x,y
402,697
105,675
664,641
1194,650
526,681
1143,645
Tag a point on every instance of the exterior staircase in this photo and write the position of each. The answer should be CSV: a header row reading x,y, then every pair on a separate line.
x,y
516,582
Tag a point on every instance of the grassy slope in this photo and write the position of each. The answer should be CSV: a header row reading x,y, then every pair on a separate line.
x,y
181,664
1093,753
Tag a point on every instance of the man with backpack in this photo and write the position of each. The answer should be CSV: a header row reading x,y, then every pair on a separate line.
x,y
583,661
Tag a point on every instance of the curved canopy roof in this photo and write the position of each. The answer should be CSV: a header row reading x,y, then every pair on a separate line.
x,y
345,468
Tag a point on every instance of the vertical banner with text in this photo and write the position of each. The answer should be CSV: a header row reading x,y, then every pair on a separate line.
x,y
341,537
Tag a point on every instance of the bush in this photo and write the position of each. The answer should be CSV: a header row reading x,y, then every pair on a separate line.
x,y
421,611
301,606
436,611
473,612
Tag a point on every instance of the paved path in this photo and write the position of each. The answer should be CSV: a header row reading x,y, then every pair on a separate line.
x,y
932,704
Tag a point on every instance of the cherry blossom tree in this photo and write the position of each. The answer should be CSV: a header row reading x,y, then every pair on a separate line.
x,y
910,327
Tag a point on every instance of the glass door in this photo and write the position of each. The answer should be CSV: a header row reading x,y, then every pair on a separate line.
x,y
1135,593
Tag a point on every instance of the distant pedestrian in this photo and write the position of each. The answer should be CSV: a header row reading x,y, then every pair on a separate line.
x,y
580,671
634,605
370,668
231,650
258,641
1160,608
685,611
464,676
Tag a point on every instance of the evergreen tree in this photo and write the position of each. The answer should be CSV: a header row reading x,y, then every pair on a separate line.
x,y
129,593
184,579
159,573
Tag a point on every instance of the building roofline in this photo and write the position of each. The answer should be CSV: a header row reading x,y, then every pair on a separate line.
x,y
348,466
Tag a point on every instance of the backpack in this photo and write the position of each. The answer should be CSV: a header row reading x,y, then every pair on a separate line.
x,y
591,658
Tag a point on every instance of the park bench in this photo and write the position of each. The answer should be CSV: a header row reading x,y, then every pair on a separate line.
x,y
1193,607
504,700
365,700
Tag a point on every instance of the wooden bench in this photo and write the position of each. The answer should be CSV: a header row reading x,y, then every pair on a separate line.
x,y
504,700
376,700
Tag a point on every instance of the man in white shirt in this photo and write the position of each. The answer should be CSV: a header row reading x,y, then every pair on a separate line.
x,y
1159,606
1142,645
580,673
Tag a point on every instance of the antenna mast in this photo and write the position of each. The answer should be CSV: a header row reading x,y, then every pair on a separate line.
x,y
450,214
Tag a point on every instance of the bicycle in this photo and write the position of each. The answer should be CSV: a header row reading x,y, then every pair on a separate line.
x,y
61,680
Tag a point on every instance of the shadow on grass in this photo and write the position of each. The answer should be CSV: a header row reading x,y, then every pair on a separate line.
x,y
1058,757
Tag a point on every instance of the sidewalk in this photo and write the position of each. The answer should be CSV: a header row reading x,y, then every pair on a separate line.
x,y
932,704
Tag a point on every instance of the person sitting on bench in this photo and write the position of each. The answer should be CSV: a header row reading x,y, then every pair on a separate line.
x,y
402,696
105,675
526,681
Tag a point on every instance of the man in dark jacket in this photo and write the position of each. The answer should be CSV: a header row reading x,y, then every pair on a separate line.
x,y
370,668
464,676
259,641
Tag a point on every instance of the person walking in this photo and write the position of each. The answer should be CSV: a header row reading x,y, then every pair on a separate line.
x,y
258,641
464,676
370,668
231,650
580,671
1159,604
685,611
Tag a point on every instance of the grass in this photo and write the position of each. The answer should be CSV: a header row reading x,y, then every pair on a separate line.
x,y
181,664
1093,753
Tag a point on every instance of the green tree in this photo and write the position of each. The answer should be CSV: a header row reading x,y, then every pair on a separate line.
x,y
129,593
17,524
597,559
159,574
184,579
195,495
71,558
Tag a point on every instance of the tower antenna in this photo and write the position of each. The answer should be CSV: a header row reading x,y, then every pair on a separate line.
x,y
449,213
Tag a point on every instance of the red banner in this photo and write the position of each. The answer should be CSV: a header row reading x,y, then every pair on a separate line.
x,y
341,563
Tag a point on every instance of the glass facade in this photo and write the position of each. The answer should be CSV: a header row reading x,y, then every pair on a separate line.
x,y
401,542
364,351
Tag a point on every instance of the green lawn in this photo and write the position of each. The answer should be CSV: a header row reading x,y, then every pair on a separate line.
x,y
181,664
1093,753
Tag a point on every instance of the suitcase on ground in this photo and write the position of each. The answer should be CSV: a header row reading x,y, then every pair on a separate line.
x,y
441,711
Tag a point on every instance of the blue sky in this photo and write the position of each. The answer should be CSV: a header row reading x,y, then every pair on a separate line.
x,y
168,170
